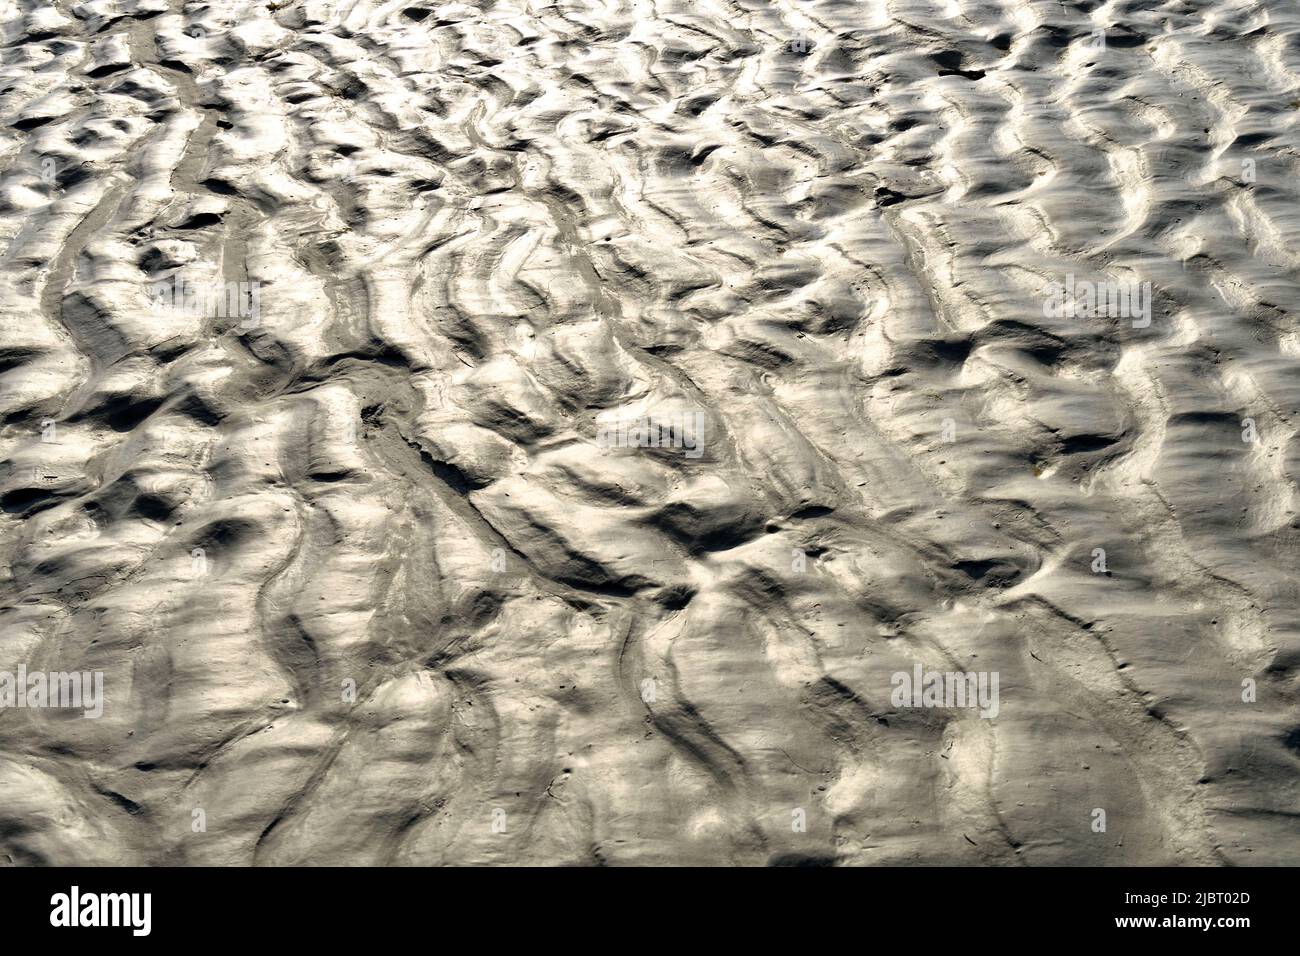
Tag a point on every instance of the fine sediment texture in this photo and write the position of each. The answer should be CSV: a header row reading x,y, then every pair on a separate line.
x,y
366,581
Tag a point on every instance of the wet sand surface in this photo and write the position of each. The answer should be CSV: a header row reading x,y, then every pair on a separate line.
x,y
612,404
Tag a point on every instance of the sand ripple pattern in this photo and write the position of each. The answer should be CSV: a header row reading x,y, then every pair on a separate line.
x,y
364,583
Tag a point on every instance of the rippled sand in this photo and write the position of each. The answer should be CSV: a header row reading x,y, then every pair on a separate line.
x,y
379,561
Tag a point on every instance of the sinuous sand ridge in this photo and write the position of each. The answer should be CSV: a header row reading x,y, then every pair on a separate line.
x,y
573,433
